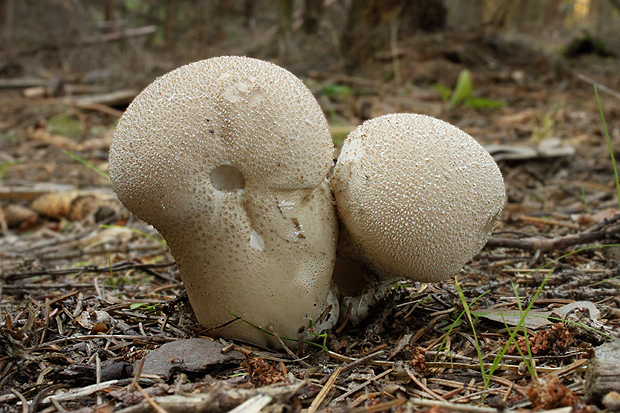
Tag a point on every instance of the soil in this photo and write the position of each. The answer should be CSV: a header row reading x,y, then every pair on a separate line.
x,y
88,290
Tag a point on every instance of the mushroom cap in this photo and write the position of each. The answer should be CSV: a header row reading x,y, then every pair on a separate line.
x,y
417,197
228,158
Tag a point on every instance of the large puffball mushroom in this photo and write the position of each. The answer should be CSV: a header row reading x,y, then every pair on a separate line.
x,y
417,198
228,158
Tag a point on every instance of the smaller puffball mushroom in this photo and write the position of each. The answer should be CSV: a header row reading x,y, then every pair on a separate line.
x,y
417,199
228,158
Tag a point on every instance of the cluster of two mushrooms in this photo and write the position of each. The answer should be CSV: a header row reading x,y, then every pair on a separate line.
x,y
231,160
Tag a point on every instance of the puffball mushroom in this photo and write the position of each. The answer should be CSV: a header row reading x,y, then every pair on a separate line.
x,y
228,158
417,197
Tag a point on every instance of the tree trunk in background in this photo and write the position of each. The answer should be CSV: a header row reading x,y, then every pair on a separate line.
x,y
313,11
498,18
552,18
7,8
370,23
427,15
168,21
466,15
285,16
524,11
222,13
110,6
7,18
249,6
602,21
285,26
355,45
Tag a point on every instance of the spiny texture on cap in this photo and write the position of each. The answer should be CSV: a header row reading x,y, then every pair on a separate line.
x,y
228,159
223,108
418,197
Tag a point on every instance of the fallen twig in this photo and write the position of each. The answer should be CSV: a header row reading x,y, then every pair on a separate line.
x,y
361,386
468,408
316,403
95,106
110,37
148,398
77,393
381,407
92,269
422,385
546,244
23,400
286,348
360,361
598,85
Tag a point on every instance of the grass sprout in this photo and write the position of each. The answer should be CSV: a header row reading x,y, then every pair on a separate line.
x,y
608,139
464,88
86,163
473,329
5,165
529,361
524,313
147,308
584,200
463,94
110,264
594,330
513,334
322,346
455,324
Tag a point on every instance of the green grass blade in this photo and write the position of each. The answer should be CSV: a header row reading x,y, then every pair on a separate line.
x,y
608,139
86,163
513,334
464,88
521,323
529,362
455,324
5,165
581,325
473,328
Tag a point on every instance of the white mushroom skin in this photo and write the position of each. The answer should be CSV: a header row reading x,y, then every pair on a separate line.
x,y
417,198
228,158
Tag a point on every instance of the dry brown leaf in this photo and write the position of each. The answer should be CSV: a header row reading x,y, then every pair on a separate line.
x,y
77,205
533,320
19,216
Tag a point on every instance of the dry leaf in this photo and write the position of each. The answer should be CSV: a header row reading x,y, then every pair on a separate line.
x,y
533,320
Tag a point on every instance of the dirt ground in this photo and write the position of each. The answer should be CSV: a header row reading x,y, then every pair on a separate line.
x,y
88,290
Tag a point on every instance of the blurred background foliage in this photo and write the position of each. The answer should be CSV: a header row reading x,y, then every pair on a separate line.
x,y
131,41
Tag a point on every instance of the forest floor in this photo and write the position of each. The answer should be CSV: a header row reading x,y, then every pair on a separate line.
x,y
88,291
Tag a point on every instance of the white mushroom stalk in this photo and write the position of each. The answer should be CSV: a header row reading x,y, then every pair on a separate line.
x,y
228,158
417,199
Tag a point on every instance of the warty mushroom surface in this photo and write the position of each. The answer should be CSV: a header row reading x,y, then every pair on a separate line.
x,y
228,158
417,199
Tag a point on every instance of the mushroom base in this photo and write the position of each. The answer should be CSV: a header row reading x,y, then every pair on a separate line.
x,y
266,258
